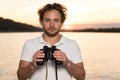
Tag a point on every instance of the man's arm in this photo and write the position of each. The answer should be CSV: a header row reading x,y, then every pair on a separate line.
x,y
77,70
25,70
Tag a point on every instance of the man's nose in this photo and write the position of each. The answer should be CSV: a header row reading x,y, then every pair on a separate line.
x,y
51,23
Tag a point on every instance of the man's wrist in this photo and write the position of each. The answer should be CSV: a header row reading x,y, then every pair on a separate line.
x,y
69,63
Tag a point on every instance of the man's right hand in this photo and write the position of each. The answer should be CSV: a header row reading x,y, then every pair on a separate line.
x,y
38,57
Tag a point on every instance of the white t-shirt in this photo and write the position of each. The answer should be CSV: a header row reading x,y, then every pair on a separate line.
x,y
68,46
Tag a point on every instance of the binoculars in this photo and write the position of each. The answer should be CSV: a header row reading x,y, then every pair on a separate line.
x,y
48,51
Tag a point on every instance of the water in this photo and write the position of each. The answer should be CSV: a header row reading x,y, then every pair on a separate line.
x,y
100,52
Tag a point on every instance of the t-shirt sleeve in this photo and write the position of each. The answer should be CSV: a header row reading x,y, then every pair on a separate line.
x,y
26,53
76,55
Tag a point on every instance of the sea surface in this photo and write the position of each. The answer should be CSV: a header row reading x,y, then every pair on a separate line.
x,y
100,53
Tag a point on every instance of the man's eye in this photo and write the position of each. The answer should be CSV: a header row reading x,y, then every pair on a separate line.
x,y
47,20
56,20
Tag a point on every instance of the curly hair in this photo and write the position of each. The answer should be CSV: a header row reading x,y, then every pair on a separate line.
x,y
55,6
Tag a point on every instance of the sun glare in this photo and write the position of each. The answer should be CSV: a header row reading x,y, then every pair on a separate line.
x,y
66,27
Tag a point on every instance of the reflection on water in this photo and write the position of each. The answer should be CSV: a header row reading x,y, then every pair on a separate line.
x,y
100,52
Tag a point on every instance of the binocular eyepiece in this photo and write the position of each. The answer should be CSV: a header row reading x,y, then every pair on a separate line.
x,y
48,51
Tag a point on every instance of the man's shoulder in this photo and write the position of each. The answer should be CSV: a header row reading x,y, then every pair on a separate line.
x,y
69,40
32,40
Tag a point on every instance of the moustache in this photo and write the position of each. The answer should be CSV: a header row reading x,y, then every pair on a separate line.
x,y
51,28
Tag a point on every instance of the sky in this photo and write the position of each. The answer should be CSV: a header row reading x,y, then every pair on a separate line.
x,y
85,13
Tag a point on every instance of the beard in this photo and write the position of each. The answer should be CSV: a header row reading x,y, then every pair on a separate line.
x,y
50,34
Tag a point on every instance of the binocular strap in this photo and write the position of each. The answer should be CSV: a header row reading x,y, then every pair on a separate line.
x,y
46,71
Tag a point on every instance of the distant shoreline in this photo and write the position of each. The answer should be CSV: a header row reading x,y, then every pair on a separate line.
x,y
107,30
8,25
96,30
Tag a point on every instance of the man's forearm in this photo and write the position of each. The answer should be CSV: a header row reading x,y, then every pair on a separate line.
x,y
77,71
25,72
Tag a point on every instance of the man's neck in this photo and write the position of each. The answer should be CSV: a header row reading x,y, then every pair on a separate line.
x,y
52,40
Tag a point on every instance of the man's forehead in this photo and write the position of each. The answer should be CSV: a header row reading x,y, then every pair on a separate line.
x,y
53,13
51,18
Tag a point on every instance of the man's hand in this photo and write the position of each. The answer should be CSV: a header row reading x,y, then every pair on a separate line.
x,y
38,57
60,56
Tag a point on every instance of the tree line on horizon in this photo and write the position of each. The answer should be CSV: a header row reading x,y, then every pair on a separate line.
x,y
96,30
8,25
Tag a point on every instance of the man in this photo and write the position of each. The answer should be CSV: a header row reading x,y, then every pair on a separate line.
x,y
52,17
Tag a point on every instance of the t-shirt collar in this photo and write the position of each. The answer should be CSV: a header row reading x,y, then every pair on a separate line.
x,y
60,42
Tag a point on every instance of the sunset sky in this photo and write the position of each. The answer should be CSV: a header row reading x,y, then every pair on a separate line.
x,y
80,12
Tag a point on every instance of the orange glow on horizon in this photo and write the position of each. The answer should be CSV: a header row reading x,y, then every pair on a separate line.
x,y
67,27
79,15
